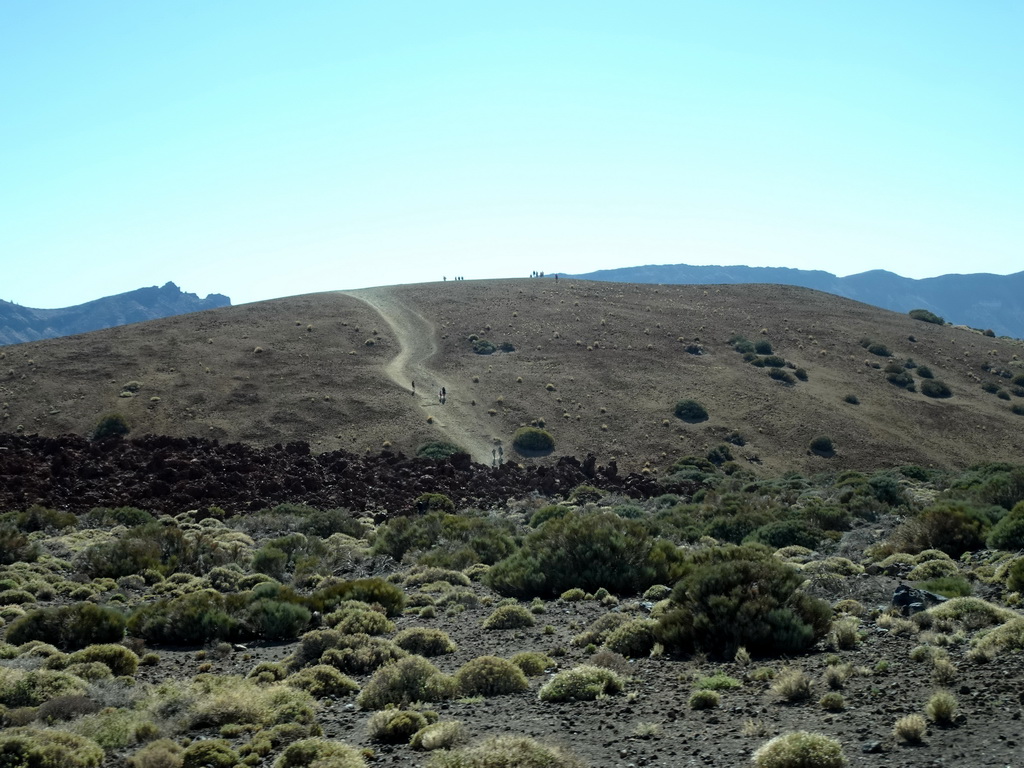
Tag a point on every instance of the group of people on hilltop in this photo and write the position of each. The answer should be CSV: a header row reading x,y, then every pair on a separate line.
x,y
445,278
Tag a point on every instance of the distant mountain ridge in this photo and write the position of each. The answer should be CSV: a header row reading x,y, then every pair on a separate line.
x,y
20,324
982,300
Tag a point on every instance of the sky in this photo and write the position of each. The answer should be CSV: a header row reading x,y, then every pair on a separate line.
x,y
267,149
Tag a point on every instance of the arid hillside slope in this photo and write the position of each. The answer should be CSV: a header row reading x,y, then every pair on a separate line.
x,y
601,364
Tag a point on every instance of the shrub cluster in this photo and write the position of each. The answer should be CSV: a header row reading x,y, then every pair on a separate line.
x,y
588,550
736,597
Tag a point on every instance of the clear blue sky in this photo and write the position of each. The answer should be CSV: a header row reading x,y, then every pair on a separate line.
x,y
265,149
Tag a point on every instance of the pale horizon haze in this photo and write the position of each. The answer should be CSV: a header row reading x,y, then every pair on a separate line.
x,y
266,149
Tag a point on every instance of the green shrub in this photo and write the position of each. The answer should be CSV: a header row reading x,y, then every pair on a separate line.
x,y
583,683
490,676
1008,533
439,450
793,685
822,445
321,681
901,378
371,591
588,550
446,734
119,659
704,700
16,597
941,708
785,533
546,513
434,502
935,388
424,641
112,425
533,663
633,639
773,361
407,681
877,348
718,682
1015,575
800,749
40,518
715,608
852,399
532,439
277,620
319,753
948,586
509,617
691,411
162,753
16,547
191,619
505,752
395,726
34,687
926,316
953,527
47,748
209,753
780,375
68,626
483,347
351,620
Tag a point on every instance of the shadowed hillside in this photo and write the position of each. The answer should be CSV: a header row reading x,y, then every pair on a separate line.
x,y
600,365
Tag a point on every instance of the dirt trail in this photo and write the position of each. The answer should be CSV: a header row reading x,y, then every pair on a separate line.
x,y
456,420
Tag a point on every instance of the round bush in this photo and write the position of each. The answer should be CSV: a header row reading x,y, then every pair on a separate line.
x,y
395,726
583,683
425,641
509,617
691,411
532,439
935,388
443,735
113,425
633,639
408,680
438,450
490,676
800,749
822,445
47,748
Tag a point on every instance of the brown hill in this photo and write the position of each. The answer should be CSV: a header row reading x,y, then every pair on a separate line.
x,y
602,364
